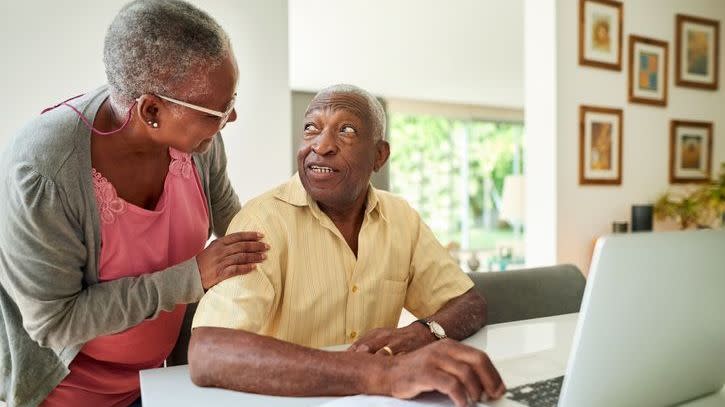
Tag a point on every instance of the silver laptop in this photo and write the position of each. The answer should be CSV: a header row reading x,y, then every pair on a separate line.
x,y
651,330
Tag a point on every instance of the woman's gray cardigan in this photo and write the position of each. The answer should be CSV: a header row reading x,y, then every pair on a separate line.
x,y
50,240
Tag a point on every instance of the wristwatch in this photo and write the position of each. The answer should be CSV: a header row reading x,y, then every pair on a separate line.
x,y
435,328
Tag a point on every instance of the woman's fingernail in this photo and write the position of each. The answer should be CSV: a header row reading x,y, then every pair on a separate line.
x,y
264,256
267,246
260,235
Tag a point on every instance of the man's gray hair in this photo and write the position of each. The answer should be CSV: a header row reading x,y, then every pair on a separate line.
x,y
154,46
377,113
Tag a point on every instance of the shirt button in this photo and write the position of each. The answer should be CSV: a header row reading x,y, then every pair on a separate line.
x,y
354,288
353,335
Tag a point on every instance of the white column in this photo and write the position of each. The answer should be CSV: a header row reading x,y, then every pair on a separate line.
x,y
540,135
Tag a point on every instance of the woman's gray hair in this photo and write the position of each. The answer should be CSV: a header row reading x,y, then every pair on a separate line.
x,y
377,113
154,46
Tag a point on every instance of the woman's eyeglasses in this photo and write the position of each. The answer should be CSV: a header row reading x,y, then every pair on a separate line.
x,y
224,116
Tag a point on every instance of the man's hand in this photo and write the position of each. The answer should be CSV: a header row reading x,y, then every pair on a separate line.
x,y
397,340
459,371
232,255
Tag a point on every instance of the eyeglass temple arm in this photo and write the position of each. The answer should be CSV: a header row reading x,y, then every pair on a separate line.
x,y
191,106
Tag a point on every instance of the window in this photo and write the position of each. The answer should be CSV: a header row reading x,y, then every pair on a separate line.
x,y
452,172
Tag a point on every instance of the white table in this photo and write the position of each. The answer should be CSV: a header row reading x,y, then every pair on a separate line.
x,y
523,352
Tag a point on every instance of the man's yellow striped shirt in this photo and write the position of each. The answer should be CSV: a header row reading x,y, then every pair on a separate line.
x,y
313,291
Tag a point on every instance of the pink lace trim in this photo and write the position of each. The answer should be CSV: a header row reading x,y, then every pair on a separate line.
x,y
109,204
181,163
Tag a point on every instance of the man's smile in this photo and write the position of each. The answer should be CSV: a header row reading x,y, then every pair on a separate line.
x,y
321,172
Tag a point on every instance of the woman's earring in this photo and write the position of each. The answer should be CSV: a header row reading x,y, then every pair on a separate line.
x,y
153,124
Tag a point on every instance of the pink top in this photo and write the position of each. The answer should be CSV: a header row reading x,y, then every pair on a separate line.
x,y
136,241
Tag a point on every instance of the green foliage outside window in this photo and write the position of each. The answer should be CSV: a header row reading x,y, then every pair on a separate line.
x,y
426,168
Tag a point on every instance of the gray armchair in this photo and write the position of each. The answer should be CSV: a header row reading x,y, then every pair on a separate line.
x,y
531,293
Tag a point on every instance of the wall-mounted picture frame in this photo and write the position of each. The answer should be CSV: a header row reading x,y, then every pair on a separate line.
x,y
648,79
690,151
600,145
600,34
697,52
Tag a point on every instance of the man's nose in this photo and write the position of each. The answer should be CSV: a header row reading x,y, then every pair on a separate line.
x,y
324,144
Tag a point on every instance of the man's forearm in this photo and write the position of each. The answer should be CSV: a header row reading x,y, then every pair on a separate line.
x,y
243,361
462,316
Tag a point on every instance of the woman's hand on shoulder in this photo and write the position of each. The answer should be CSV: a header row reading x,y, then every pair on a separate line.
x,y
232,255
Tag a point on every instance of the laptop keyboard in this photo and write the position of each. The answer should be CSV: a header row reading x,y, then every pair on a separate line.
x,y
540,394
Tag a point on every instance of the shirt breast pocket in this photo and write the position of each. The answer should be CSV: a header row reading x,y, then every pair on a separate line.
x,y
391,298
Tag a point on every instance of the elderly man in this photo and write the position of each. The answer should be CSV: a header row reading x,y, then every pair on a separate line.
x,y
344,259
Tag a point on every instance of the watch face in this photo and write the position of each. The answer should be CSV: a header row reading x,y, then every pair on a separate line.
x,y
437,329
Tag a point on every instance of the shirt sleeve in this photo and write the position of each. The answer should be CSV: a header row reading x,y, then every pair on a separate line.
x,y
245,302
435,276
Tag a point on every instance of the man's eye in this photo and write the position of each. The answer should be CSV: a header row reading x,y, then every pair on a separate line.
x,y
347,130
310,127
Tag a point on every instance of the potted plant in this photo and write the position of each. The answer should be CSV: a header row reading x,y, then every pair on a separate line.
x,y
702,207
712,196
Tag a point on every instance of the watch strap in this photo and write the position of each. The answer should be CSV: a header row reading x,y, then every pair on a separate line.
x,y
423,321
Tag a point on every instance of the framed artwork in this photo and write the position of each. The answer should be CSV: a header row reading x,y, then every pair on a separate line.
x,y
690,151
647,71
697,46
600,34
600,146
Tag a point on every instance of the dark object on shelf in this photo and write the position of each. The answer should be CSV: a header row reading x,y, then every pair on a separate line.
x,y
642,218
620,226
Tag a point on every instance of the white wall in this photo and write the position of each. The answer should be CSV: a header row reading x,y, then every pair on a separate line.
x,y
464,51
540,137
586,212
258,142
53,50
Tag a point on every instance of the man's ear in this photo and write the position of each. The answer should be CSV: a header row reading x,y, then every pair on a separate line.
x,y
382,154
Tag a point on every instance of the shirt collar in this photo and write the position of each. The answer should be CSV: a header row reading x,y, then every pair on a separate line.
x,y
294,193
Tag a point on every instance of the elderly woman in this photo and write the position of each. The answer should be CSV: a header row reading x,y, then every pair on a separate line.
x,y
107,203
